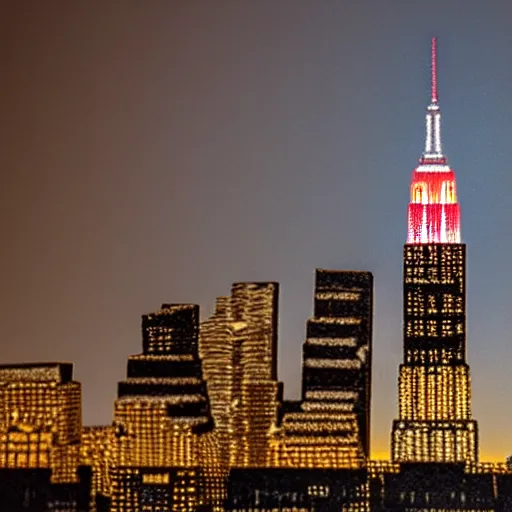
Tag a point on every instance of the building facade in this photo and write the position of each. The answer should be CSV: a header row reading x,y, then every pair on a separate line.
x,y
40,434
238,347
329,427
164,453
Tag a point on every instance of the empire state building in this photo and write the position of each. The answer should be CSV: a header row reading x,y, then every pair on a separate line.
x,y
435,422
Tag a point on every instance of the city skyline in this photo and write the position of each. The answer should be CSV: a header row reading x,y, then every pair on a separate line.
x,y
88,288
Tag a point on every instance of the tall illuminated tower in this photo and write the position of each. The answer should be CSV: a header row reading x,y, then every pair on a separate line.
x,y
434,422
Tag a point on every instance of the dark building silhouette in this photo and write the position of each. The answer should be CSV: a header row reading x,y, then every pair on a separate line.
x,y
329,427
337,352
298,490
438,486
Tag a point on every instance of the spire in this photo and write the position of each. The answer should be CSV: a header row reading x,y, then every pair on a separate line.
x,y
433,148
434,70
433,216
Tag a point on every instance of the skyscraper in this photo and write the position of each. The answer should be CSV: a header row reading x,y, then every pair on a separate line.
x,y
238,347
165,453
435,423
320,445
41,418
337,352
329,428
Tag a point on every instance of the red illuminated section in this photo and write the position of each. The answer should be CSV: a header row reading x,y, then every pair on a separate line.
x,y
434,214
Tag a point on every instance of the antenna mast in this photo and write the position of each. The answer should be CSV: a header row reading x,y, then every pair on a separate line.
x,y
434,70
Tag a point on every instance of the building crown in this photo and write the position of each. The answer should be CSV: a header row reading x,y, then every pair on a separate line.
x,y
433,213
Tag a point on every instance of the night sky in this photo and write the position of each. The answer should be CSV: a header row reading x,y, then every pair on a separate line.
x,y
159,151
